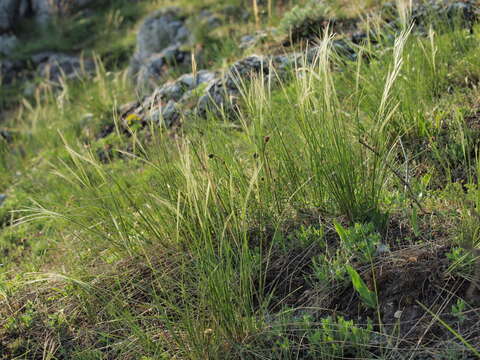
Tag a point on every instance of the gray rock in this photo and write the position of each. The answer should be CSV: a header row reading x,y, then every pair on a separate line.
x,y
55,66
6,136
448,11
10,70
151,70
161,30
252,40
160,43
165,115
42,57
3,197
168,102
170,114
185,83
8,43
223,92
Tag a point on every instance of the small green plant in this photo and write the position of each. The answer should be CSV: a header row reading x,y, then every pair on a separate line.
x,y
329,270
359,241
338,338
458,310
308,235
368,297
463,263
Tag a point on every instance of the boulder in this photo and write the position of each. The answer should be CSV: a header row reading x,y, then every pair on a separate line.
x,y
164,41
54,66
163,29
159,43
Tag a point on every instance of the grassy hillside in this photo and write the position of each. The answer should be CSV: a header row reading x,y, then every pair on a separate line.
x,y
333,215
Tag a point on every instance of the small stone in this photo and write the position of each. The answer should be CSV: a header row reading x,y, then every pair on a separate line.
x,y
382,249
398,314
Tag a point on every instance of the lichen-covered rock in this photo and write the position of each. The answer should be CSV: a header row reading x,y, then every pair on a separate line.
x,y
176,90
167,102
203,92
213,92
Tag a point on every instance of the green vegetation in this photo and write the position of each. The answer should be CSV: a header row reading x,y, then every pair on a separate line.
x,y
341,200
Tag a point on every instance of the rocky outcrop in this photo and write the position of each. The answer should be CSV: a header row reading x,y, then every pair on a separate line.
x,y
220,91
166,104
204,92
